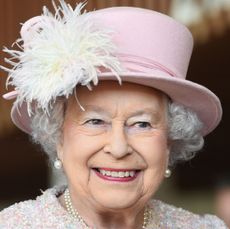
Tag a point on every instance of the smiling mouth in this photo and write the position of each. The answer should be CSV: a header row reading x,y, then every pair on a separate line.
x,y
121,175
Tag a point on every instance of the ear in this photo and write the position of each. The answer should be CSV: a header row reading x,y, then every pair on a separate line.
x,y
59,150
167,156
169,147
59,146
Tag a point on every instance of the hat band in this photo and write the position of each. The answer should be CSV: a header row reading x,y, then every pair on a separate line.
x,y
141,64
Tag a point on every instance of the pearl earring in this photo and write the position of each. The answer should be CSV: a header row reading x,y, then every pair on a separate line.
x,y
57,163
168,173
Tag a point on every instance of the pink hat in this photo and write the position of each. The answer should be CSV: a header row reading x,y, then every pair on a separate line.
x,y
153,50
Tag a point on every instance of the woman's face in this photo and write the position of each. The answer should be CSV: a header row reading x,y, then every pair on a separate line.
x,y
115,152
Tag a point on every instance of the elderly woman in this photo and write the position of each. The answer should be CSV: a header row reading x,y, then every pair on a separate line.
x,y
105,95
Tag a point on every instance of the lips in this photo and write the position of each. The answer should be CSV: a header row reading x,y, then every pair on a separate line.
x,y
120,175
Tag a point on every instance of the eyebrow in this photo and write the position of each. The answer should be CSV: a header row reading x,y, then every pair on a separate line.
x,y
143,111
146,110
93,108
154,115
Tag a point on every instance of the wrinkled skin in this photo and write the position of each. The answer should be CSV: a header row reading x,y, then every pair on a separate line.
x,y
122,127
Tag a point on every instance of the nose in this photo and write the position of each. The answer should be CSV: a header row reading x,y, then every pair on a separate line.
x,y
117,143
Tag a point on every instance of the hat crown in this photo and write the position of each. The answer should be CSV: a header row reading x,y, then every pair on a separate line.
x,y
150,38
154,49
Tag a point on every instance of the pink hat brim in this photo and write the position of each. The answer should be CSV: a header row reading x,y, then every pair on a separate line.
x,y
192,95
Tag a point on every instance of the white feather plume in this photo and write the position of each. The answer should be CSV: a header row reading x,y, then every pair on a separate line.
x,y
63,50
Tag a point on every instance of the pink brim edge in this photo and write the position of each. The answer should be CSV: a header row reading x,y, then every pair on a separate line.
x,y
197,97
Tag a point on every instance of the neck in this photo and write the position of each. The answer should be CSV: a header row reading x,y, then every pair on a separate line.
x,y
99,217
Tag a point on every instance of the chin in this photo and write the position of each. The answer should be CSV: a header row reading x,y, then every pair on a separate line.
x,y
117,199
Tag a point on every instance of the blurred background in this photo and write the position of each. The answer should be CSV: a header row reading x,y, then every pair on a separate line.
x,y
201,185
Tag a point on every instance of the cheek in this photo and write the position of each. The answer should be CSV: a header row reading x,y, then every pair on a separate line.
x,y
78,147
156,157
154,149
77,153
154,152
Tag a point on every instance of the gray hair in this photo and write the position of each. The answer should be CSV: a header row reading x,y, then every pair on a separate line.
x,y
184,131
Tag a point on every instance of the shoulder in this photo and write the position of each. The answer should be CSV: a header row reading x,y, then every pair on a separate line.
x,y
44,212
178,218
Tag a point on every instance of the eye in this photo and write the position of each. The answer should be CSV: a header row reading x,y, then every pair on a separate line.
x,y
95,122
142,124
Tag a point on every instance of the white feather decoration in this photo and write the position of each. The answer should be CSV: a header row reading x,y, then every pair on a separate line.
x,y
59,52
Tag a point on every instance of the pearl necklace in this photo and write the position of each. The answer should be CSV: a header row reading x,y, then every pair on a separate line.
x,y
72,211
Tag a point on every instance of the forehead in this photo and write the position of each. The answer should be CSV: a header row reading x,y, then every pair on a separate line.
x,y
111,96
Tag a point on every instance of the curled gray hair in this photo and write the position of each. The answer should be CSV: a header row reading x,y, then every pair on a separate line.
x,y
184,131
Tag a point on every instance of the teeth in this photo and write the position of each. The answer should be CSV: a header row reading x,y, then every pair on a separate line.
x,y
117,174
132,173
108,173
121,174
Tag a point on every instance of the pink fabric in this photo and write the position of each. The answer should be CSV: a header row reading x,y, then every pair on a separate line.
x,y
46,212
155,50
149,34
